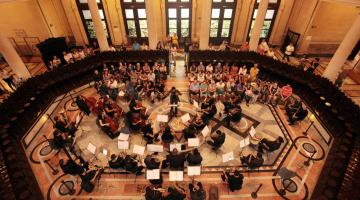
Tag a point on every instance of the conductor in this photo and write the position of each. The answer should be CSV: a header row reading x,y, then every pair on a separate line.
x,y
174,100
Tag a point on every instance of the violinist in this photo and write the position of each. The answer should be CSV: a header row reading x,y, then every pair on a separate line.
x,y
105,126
148,133
199,122
109,109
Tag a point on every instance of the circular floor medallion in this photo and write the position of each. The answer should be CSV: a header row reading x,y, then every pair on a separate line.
x,y
290,185
46,150
309,148
66,189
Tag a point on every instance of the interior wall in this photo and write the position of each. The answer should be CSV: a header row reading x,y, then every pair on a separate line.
x,y
23,19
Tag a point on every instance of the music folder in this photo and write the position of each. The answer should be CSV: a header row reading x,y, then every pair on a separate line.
x,y
176,175
244,142
185,118
123,145
193,142
162,118
155,148
123,137
228,156
91,148
105,152
205,131
194,170
175,146
139,149
252,131
152,174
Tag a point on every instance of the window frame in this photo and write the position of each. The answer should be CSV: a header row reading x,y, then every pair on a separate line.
x,y
85,6
271,6
134,6
222,5
178,5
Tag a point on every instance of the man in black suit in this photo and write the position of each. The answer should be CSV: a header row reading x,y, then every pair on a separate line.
x,y
176,160
217,139
252,161
194,158
116,162
235,179
132,165
270,145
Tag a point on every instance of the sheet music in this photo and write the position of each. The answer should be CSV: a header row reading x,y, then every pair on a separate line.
x,y
175,146
244,142
228,156
139,149
176,175
91,148
152,174
185,118
105,152
196,104
123,137
123,145
155,148
194,170
252,131
205,131
162,118
193,142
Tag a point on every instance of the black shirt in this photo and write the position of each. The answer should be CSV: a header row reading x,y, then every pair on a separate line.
x,y
117,163
176,161
219,140
194,159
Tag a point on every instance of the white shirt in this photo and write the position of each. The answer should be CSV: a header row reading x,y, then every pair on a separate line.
x,y
67,57
114,84
289,50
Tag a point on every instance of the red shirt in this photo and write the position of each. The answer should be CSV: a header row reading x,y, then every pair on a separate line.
x,y
286,91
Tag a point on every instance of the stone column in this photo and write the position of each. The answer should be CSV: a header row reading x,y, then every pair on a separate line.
x,y
13,58
343,51
259,22
99,29
205,24
150,6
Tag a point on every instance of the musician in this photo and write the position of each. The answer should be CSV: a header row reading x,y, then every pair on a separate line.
x,y
81,103
189,132
63,124
174,193
234,179
59,139
252,161
116,162
176,160
194,158
269,145
199,122
152,193
216,139
197,192
148,133
133,165
174,99
234,115
70,167
166,134
105,124
208,109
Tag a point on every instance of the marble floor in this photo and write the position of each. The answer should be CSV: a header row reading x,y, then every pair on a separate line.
x,y
268,121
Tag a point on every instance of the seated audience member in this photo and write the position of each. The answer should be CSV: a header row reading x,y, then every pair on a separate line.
x,y
234,180
152,193
269,145
176,160
166,134
116,162
197,192
132,164
248,94
194,90
254,71
252,161
174,193
264,93
286,92
81,103
274,94
70,167
216,139
68,57
194,158
56,61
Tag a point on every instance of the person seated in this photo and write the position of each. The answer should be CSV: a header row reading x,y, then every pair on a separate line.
x,y
234,179
166,134
197,192
104,125
216,139
252,161
189,132
148,133
269,145
59,139
234,115
194,158
176,160
152,162
199,122
109,109
293,107
209,112
132,164
62,124
194,90
299,115
116,162
174,193
152,193
70,167
81,103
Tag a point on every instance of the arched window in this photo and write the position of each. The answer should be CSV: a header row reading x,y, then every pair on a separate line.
x,y
134,13
222,15
178,17
87,19
269,18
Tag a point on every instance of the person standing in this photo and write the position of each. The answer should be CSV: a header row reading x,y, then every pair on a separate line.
x,y
7,78
289,51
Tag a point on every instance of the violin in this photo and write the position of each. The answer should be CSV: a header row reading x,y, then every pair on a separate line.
x,y
91,103
142,109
